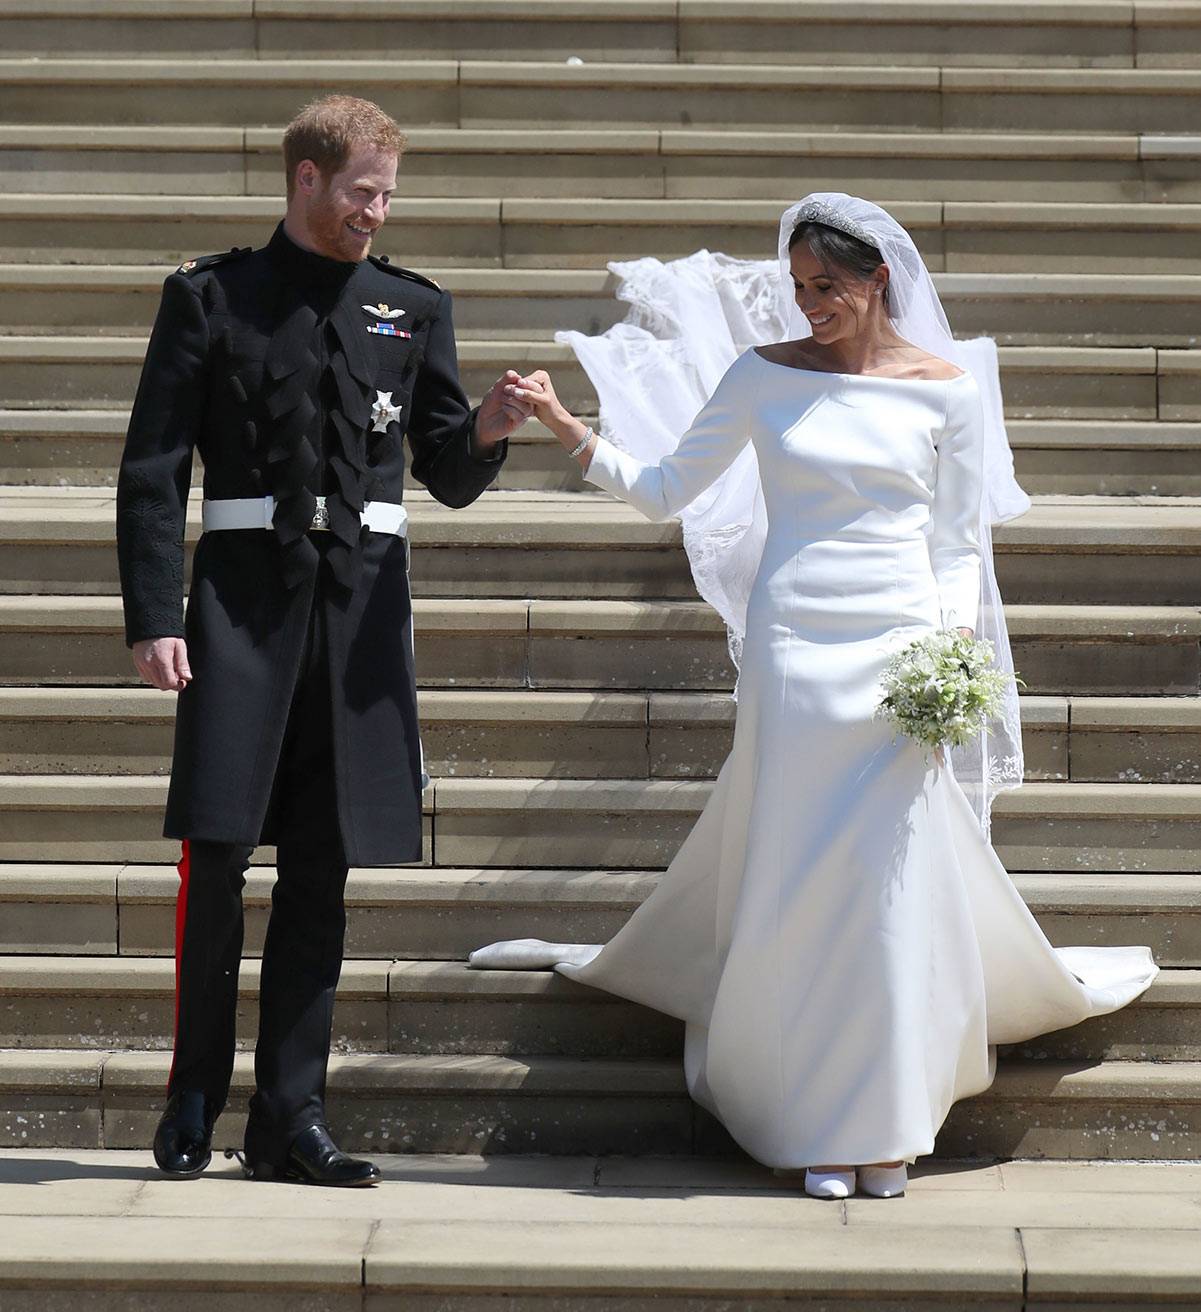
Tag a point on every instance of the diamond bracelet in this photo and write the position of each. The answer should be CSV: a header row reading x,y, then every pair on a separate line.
x,y
588,436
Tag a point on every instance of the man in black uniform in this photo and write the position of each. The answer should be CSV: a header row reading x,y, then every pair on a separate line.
x,y
296,371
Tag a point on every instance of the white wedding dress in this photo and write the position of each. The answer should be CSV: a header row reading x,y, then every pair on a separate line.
x,y
840,939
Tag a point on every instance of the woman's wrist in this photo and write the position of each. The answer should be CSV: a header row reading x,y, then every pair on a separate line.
x,y
566,427
584,446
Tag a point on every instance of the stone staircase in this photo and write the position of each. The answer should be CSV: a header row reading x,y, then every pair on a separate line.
x,y
1047,157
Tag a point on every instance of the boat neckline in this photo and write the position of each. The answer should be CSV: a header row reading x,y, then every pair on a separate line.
x,y
833,373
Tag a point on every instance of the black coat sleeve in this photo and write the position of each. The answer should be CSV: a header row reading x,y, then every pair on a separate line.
x,y
441,422
156,467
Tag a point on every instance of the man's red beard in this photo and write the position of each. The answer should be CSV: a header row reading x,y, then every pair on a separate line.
x,y
328,225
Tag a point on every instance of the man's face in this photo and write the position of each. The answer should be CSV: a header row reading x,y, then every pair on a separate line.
x,y
338,215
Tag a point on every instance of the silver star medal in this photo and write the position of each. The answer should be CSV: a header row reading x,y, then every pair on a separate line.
x,y
383,412
383,311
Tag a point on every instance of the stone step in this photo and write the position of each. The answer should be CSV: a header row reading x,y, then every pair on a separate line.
x,y
106,910
479,643
1086,384
103,818
1036,33
1123,738
626,824
82,448
382,1102
515,733
1016,309
640,824
665,646
91,1226
863,94
445,1008
1058,457
554,545
645,30
1072,309
1052,457
639,163
1057,238
99,1002
1053,552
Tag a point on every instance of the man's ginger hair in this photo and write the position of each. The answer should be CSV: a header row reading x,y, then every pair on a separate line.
x,y
329,130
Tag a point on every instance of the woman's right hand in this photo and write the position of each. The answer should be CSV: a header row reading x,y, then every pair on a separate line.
x,y
537,390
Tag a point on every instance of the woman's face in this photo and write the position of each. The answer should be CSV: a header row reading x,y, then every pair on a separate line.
x,y
837,304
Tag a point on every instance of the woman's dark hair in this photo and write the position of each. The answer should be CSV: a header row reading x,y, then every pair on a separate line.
x,y
859,258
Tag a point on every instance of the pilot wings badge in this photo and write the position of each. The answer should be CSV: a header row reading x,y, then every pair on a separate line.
x,y
381,324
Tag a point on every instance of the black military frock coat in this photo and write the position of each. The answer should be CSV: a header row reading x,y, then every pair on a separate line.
x,y
270,363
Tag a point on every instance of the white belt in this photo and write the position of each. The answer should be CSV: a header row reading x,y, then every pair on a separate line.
x,y
259,512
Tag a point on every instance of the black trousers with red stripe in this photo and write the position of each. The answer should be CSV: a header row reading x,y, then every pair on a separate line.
x,y
302,955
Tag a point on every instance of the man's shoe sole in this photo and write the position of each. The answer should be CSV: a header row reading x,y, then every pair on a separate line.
x,y
184,1175
264,1171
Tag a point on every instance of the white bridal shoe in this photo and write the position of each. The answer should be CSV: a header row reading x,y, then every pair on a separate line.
x,y
883,1181
829,1184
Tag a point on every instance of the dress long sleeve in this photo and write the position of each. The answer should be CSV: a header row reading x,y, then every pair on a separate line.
x,y
705,452
955,514
156,467
441,423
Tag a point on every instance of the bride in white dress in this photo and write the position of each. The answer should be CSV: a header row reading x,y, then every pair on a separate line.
x,y
837,933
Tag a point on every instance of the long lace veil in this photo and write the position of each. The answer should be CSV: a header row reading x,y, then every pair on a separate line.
x,y
688,320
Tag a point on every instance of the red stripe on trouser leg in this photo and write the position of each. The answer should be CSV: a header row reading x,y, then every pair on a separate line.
x,y
181,920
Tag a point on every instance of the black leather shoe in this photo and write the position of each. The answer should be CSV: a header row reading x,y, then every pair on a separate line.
x,y
183,1142
314,1158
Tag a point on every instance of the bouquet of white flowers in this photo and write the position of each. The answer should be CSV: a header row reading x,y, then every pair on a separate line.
x,y
942,689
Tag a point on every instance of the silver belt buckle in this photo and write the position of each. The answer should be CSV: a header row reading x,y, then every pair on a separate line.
x,y
320,515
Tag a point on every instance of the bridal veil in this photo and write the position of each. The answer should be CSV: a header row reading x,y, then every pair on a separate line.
x,y
689,319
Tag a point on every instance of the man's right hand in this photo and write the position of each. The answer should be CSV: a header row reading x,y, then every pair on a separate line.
x,y
163,662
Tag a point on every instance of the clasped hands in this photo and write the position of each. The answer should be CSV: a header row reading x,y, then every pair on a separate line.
x,y
515,398
537,392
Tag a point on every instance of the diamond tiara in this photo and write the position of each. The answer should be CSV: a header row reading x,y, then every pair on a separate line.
x,y
818,211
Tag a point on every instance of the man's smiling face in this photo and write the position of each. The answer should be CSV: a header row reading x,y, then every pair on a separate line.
x,y
341,213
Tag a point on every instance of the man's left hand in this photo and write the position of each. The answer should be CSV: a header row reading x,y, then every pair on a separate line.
x,y
499,415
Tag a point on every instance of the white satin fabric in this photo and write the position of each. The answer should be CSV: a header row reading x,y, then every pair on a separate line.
x,y
840,938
